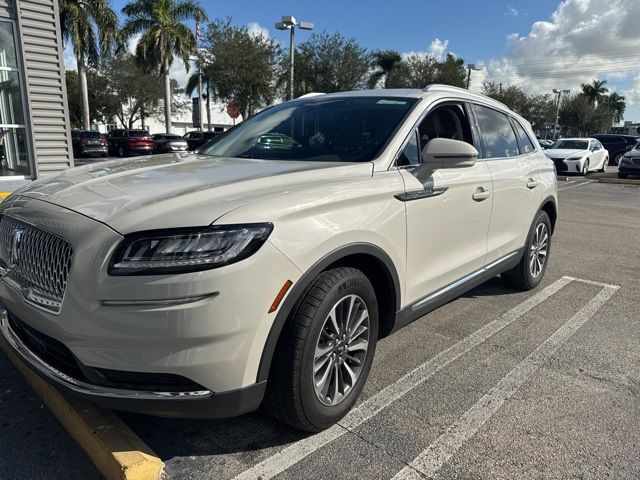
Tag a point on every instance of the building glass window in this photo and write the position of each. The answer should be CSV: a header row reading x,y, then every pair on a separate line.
x,y
14,159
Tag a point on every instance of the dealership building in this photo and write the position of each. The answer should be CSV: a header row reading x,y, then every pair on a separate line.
x,y
35,138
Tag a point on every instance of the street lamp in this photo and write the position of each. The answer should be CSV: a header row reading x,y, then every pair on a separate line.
x,y
470,66
290,23
555,127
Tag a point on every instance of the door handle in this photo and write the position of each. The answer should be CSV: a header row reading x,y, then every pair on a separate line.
x,y
532,183
481,194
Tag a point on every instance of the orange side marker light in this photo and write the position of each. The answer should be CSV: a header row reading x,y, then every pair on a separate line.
x,y
283,291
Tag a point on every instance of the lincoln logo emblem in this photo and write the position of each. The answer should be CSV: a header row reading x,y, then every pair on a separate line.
x,y
16,242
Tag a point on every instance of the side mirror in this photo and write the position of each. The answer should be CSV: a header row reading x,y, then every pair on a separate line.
x,y
446,153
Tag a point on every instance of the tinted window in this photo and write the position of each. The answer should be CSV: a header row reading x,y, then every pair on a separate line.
x,y
498,138
323,129
571,144
410,154
138,133
526,145
91,135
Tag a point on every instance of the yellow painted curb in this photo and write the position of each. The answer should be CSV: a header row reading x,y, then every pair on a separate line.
x,y
4,195
117,452
625,181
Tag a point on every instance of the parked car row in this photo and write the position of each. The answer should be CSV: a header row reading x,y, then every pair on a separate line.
x,y
124,142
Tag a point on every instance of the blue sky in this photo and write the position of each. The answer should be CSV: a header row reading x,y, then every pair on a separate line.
x,y
539,44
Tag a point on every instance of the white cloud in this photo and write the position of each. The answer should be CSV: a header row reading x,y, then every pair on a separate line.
x,y
256,29
69,58
438,48
583,40
512,11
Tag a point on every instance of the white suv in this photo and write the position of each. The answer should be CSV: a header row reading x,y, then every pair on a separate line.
x,y
268,265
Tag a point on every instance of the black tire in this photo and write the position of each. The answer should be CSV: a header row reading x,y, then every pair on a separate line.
x,y
291,396
617,158
520,277
121,152
622,175
605,164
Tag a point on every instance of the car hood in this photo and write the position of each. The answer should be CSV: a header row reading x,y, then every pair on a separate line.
x,y
564,152
179,190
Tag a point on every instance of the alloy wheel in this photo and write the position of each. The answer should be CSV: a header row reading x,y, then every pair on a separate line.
x,y
617,158
538,250
341,350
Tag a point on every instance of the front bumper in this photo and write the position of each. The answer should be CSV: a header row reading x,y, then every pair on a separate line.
x,y
208,327
189,404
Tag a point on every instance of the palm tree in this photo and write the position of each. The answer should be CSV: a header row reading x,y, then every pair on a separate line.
x,y
595,90
92,29
164,36
192,85
618,104
383,62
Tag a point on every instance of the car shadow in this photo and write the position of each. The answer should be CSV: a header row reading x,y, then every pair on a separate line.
x,y
171,438
494,286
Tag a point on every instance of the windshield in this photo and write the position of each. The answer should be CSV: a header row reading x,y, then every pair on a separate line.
x,y
350,129
571,144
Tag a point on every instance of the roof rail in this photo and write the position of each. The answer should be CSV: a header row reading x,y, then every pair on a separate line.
x,y
438,87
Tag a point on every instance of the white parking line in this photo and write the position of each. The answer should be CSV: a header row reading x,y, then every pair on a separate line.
x,y
576,185
427,463
289,456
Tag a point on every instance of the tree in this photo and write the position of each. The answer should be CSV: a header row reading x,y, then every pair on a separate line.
x,y
241,66
580,116
164,36
136,92
103,104
92,29
595,90
617,103
383,62
419,70
415,71
330,63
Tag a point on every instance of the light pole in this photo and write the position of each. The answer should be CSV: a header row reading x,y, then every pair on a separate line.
x,y
290,23
470,67
555,127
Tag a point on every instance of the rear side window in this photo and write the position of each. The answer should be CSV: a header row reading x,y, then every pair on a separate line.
x,y
496,133
526,146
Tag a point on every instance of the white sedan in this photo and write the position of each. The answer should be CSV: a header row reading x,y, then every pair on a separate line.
x,y
580,155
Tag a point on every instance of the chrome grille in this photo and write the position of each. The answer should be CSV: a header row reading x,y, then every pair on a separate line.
x,y
37,260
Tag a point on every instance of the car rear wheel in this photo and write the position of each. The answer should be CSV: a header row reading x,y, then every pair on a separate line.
x,y
121,151
530,271
605,164
325,351
617,158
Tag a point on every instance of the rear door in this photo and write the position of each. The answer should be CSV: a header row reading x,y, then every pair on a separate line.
x,y
512,159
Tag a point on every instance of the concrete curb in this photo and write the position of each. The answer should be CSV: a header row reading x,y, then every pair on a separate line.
x,y
624,181
117,452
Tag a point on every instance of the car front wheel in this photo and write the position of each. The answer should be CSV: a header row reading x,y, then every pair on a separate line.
x,y
617,158
325,353
530,271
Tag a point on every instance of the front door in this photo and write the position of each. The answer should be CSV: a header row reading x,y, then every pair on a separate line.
x,y
448,213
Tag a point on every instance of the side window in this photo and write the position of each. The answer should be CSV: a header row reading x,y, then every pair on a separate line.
x,y
410,154
446,121
525,142
498,138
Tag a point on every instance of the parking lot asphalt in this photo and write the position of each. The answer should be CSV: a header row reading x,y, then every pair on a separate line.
x,y
495,384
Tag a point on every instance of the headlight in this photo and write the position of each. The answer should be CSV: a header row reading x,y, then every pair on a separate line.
x,y
574,157
184,250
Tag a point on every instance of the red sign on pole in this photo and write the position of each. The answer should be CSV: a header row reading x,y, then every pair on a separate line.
x,y
233,109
